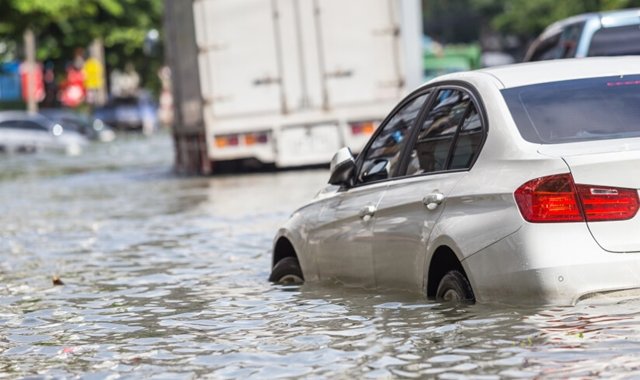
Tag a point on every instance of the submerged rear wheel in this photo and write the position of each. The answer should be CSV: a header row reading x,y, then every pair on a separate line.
x,y
455,287
287,271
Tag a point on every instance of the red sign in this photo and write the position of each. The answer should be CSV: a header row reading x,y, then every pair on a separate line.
x,y
31,79
73,91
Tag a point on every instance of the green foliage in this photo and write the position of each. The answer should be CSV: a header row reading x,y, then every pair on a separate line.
x,y
62,26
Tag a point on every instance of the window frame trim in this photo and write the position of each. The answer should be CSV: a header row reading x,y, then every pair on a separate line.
x,y
433,88
475,98
407,99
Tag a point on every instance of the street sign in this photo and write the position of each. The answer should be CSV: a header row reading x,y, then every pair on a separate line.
x,y
93,72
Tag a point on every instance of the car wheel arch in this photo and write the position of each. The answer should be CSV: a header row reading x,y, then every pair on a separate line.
x,y
443,260
283,248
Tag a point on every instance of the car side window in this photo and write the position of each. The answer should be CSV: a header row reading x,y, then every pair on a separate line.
x,y
437,134
9,124
384,153
547,49
559,45
570,39
469,140
31,126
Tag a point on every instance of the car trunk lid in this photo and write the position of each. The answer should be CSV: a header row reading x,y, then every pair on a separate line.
x,y
610,166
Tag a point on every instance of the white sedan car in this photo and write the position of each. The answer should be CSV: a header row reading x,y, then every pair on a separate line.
x,y
24,132
512,184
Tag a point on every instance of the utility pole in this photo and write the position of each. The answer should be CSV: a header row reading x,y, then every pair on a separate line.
x,y
31,67
411,19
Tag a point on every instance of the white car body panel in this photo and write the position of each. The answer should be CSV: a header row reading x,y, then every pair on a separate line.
x,y
506,258
403,225
607,163
551,71
342,240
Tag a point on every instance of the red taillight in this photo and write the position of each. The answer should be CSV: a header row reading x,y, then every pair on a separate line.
x,y
255,138
363,127
549,199
607,203
557,198
227,140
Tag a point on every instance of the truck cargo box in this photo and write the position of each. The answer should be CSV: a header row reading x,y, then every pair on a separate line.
x,y
289,82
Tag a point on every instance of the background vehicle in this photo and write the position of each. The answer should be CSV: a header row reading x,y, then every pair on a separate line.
x,y
511,184
129,113
90,127
592,34
24,132
286,83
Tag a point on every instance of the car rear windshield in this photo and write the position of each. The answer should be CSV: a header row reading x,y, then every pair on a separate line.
x,y
577,110
621,40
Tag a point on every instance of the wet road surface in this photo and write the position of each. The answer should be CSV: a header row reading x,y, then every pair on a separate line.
x,y
165,277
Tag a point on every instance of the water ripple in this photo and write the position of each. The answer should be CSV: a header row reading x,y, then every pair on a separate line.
x,y
164,278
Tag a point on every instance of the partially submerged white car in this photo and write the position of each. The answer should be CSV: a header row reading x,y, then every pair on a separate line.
x,y
26,133
511,184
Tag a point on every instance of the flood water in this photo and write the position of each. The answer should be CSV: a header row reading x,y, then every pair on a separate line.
x,y
165,277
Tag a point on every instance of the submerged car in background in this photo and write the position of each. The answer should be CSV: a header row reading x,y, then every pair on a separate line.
x,y
588,35
512,184
24,132
130,113
90,127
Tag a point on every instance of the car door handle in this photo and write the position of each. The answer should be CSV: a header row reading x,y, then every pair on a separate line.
x,y
367,212
433,200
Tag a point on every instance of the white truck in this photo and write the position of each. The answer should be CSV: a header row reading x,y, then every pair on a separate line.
x,y
286,82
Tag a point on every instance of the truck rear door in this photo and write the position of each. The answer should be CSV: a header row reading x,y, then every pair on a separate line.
x,y
238,58
370,73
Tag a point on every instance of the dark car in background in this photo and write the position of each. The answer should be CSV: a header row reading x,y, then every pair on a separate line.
x,y
130,113
88,126
588,35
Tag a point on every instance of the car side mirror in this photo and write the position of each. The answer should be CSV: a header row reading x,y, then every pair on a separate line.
x,y
342,167
377,172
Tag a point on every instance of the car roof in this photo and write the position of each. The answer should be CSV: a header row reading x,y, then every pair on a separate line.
x,y
62,113
523,74
607,19
4,115
22,115
55,111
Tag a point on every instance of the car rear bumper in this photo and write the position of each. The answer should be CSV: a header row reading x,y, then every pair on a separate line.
x,y
550,264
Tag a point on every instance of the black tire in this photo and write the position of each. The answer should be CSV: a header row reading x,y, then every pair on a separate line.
x,y
287,271
455,287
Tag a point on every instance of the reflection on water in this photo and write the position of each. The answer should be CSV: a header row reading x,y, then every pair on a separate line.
x,y
165,277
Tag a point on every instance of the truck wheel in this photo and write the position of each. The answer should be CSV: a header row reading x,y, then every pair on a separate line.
x,y
455,287
287,271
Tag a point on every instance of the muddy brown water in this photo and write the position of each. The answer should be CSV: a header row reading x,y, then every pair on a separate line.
x,y
165,277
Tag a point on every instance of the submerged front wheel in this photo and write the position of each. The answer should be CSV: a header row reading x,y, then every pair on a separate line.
x,y
287,271
455,287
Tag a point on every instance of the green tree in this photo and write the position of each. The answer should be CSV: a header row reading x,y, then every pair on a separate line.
x,y
62,26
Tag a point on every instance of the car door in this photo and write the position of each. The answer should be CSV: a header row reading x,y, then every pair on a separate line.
x,y
342,242
38,134
440,154
22,135
11,137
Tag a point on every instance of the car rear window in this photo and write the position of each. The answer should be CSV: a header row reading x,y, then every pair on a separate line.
x,y
622,40
577,110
